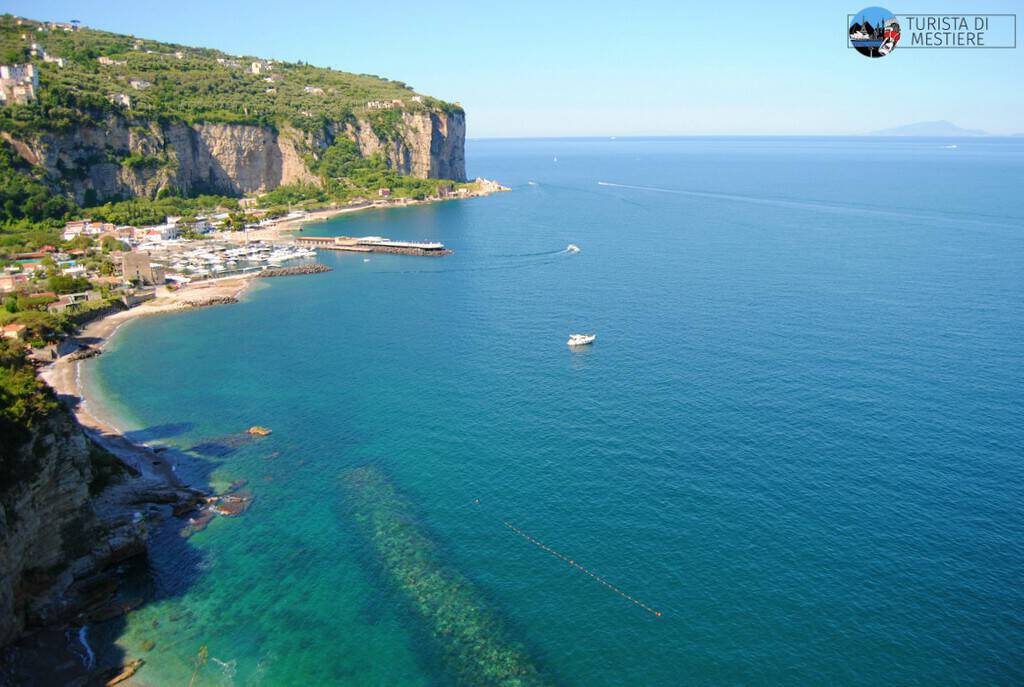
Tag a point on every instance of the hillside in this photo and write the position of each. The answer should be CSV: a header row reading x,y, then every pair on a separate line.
x,y
116,117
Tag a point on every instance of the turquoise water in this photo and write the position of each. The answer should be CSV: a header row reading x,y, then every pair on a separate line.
x,y
798,435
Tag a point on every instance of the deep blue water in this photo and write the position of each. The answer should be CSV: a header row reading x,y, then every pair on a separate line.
x,y
799,435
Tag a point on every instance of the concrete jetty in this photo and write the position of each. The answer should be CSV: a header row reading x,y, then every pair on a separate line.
x,y
373,244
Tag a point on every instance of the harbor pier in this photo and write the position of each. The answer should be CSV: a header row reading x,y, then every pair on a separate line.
x,y
373,244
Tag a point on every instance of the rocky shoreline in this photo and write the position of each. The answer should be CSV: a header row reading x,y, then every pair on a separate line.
x,y
81,585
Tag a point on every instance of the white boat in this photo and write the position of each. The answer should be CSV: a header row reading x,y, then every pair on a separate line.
x,y
572,248
581,339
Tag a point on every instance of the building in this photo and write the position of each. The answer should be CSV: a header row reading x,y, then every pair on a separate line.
x,y
258,67
10,281
19,84
383,192
139,84
71,301
137,267
15,331
110,61
85,227
121,99
384,104
159,232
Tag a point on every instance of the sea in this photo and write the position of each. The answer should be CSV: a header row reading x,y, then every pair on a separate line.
x,y
794,454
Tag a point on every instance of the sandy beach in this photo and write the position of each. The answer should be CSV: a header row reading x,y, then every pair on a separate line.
x,y
63,375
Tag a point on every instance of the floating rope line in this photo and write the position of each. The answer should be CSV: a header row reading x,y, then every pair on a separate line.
x,y
576,565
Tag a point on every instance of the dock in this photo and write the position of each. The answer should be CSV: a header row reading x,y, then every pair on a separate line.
x,y
373,244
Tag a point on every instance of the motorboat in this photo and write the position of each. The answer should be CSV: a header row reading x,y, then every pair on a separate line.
x,y
581,339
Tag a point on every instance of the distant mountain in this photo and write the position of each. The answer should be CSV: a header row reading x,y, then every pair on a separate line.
x,y
938,128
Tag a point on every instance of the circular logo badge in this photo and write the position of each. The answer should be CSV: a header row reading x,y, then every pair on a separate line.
x,y
874,32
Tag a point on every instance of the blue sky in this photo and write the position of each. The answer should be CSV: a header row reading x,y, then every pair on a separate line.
x,y
529,68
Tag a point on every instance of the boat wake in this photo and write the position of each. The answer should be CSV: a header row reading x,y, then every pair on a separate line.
x,y
811,205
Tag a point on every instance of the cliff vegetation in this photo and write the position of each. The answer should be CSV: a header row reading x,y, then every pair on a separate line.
x,y
120,119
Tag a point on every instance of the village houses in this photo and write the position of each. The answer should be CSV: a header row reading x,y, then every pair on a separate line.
x,y
19,83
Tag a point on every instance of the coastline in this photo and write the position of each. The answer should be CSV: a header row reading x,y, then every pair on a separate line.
x,y
63,375
284,229
151,492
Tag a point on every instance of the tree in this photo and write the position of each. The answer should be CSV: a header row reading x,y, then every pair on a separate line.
x,y
62,283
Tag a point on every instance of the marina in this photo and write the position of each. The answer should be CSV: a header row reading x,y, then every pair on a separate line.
x,y
188,261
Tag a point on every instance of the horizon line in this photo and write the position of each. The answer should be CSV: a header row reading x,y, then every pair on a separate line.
x,y
848,135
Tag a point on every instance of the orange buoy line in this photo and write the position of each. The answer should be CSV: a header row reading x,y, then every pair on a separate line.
x,y
576,565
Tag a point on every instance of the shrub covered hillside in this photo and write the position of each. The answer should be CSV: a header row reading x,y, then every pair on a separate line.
x,y
177,81
128,130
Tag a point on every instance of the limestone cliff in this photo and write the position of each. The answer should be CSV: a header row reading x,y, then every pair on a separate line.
x,y
52,543
118,157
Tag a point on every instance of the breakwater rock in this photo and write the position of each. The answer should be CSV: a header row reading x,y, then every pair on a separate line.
x,y
85,352
217,300
315,268
468,633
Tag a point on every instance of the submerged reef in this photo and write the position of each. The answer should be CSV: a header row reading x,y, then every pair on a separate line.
x,y
472,641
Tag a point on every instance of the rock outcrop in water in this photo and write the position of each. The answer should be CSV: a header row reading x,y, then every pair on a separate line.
x,y
469,636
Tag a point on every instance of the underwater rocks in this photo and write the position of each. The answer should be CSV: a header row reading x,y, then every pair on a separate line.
x,y
118,675
231,503
470,638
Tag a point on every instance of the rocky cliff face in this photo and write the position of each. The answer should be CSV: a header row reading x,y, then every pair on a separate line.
x,y
432,145
121,157
51,540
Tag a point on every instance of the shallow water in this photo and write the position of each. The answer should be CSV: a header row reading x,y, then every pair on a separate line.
x,y
798,434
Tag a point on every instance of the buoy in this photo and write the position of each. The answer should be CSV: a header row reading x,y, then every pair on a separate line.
x,y
579,567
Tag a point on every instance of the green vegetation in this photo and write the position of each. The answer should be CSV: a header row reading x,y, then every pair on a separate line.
x,y
165,83
139,161
180,82
143,211
106,467
19,233
24,398
23,195
61,284
347,176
